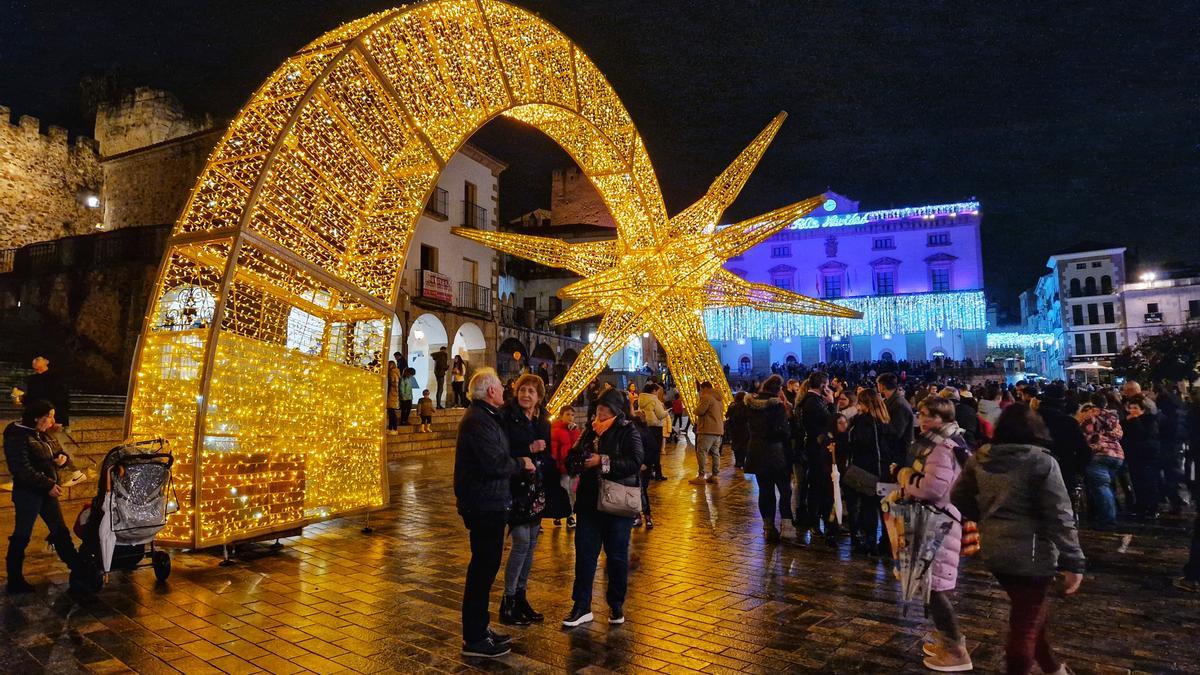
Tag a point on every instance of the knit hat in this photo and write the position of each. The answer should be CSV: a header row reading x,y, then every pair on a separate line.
x,y
614,400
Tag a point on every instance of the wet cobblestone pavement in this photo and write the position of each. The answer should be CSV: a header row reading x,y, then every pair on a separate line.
x,y
706,595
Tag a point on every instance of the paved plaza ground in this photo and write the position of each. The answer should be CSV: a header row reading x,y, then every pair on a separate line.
x,y
706,594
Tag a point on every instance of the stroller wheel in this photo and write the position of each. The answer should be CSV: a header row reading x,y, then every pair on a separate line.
x,y
161,561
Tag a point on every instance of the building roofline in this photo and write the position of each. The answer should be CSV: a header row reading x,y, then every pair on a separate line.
x,y
1084,254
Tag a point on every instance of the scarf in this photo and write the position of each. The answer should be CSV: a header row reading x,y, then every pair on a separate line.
x,y
600,427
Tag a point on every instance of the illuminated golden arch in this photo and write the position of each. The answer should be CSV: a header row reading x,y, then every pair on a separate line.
x,y
298,227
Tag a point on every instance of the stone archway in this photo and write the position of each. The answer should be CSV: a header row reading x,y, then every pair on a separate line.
x,y
470,344
425,337
308,203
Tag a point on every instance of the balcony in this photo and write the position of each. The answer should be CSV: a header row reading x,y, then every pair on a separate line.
x,y
438,205
433,288
474,298
474,215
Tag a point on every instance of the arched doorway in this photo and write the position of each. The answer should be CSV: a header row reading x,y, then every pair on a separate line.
x,y
839,352
470,345
308,203
426,336
541,361
510,358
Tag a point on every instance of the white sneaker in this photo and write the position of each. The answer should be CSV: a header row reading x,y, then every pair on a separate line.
x,y
75,479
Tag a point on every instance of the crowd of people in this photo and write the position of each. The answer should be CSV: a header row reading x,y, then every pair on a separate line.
x,y
1018,468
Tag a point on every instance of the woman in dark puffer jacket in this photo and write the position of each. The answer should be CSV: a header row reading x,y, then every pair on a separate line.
x,y
769,438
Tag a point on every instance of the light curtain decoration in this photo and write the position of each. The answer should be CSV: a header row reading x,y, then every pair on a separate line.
x,y
271,388
660,275
880,315
1014,340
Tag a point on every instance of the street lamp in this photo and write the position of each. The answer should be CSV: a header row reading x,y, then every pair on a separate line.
x,y
1148,276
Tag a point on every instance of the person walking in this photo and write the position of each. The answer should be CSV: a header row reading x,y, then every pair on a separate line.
x,y
769,435
1101,428
871,451
611,450
441,365
650,404
1141,445
1015,491
939,454
564,434
33,456
528,429
483,471
458,381
393,397
710,431
408,384
737,424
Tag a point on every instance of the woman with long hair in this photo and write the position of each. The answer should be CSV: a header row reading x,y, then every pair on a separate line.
x,y
528,429
870,450
1014,489
769,438
458,381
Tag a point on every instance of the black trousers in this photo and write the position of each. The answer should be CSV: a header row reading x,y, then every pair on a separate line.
x,y
27,507
460,395
487,548
405,411
441,388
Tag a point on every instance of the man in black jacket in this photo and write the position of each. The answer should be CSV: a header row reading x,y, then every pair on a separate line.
x,y
816,410
441,366
483,469
900,413
1068,444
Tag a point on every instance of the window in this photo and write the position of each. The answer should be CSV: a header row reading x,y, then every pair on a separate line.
x,y
885,282
781,251
1076,290
1109,317
1110,338
555,305
429,258
1106,284
939,239
1089,286
530,303
1093,314
1151,307
1079,344
1077,315
1095,342
782,282
883,243
939,279
1193,309
470,271
832,285
1081,266
1097,263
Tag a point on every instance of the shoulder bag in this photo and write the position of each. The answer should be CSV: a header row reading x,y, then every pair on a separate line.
x,y
859,479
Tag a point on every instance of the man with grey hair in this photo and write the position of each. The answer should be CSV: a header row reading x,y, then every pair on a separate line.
x,y
483,469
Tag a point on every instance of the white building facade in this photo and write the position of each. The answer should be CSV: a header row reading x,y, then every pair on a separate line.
x,y
915,273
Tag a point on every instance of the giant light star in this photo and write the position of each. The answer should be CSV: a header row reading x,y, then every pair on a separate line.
x,y
663,288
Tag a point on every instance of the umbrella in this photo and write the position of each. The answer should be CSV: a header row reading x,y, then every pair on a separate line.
x,y
836,477
920,530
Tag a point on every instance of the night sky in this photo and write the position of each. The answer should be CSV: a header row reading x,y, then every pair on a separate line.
x,y
1067,120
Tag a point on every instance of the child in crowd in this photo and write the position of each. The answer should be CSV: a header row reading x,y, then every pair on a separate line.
x,y
425,410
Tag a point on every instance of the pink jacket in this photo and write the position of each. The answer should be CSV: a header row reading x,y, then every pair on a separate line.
x,y
1103,434
935,470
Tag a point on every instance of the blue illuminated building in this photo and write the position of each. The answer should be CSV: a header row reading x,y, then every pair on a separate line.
x,y
915,273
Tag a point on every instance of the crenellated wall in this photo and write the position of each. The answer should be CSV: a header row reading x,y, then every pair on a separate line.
x,y
45,182
573,200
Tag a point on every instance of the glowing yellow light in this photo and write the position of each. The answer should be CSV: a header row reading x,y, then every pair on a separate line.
x,y
663,288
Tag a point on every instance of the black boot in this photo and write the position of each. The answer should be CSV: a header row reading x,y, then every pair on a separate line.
x,y
510,614
525,610
14,563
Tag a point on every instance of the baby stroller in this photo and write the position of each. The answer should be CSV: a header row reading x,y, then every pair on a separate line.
x,y
133,497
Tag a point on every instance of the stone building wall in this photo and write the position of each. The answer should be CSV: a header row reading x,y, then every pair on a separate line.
x,y
45,180
573,200
144,118
151,185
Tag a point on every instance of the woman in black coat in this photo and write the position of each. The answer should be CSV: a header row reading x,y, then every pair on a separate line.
x,y
609,449
528,429
770,436
33,456
868,448
1141,444
737,426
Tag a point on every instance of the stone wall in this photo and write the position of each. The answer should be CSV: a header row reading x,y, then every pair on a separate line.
x,y
151,185
45,180
144,118
573,200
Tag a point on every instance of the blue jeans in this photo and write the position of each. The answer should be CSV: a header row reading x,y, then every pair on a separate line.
x,y
1100,474
593,531
520,556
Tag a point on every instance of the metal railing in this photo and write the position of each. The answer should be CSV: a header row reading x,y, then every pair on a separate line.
x,y
439,203
474,297
474,215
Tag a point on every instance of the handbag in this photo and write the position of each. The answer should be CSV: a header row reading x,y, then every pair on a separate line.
x,y
859,479
620,500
